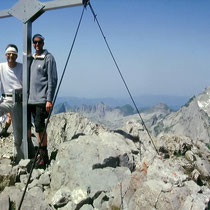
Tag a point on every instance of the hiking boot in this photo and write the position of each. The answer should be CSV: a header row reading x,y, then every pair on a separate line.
x,y
3,132
42,160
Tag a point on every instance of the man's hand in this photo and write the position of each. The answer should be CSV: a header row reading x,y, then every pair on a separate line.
x,y
48,106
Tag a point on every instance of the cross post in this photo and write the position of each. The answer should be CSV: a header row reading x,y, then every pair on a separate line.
x,y
28,11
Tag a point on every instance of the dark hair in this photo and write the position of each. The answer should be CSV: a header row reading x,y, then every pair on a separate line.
x,y
38,35
11,45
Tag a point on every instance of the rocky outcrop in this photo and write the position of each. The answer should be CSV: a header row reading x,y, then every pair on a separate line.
x,y
7,174
68,126
95,168
203,100
190,120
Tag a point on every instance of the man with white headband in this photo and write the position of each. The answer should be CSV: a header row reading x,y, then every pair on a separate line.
x,y
43,82
11,79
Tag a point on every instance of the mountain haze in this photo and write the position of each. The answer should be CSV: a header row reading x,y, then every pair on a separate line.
x,y
144,101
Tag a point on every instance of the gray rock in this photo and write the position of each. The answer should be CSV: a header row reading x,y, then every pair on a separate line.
x,y
68,206
30,202
71,125
203,167
133,128
98,202
86,207
190,156
175,145
35,174
24,163
5,202
24,178
61,197
37,192
41,170
22,171
34,183
90,153
7,174
44,179
196,176
194,203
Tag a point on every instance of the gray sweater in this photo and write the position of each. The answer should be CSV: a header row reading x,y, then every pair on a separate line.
x,y
43,79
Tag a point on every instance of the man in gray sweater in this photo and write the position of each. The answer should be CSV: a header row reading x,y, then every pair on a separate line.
x,y
43,82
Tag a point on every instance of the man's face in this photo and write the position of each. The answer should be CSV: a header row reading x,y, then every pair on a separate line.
x,y
38,44
11,57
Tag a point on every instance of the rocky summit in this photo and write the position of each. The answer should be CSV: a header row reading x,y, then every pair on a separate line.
x,y
96,168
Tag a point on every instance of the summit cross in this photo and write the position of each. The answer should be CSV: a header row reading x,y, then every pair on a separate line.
x,y
28,11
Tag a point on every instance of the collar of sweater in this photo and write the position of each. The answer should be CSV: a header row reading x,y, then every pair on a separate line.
x,y
42,56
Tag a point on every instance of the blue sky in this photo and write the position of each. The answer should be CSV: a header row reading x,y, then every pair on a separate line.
x,y
161,46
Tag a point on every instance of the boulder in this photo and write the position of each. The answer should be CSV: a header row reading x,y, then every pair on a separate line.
x,y
7,174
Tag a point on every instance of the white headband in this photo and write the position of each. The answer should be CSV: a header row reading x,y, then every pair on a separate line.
x,y
11,50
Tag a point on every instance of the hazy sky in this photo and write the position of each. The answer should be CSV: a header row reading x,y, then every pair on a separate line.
x,y
161,46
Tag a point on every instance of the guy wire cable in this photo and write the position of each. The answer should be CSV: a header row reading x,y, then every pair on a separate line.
x,y
55,97
95,18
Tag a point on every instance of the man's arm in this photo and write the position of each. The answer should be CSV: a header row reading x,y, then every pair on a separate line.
x,y
52,81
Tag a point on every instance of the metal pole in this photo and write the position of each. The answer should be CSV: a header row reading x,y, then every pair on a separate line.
x,y
27,33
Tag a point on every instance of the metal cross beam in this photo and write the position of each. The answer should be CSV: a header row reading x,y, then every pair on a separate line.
x,y
27,11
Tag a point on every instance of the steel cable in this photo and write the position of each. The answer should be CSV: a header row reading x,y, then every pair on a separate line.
x,y
55,97
110,51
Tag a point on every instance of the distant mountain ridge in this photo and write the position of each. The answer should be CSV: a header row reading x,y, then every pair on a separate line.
x,y
144,101
115,118
99,109
122,105
191,120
